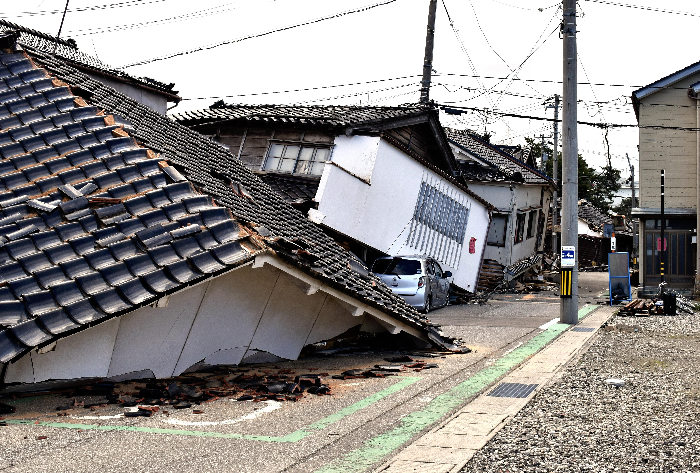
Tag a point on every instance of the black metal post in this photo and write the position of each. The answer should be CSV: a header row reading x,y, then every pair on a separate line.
x,y
662,245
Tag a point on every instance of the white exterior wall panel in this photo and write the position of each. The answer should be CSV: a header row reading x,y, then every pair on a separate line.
x,y
380,214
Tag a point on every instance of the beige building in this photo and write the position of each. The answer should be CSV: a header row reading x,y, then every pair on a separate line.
x,y
668,113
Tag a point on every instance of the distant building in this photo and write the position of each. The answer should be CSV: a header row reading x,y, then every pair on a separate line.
x,y
667,113
520,194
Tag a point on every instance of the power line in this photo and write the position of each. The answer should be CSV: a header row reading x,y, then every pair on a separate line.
x,y
129,3
357,94
258,35
457,109
640,7
543,81
193,15
306,89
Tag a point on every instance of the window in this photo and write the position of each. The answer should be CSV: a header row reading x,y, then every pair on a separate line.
x,y
396,266
296,158
497,231
437,270
531,224
519,227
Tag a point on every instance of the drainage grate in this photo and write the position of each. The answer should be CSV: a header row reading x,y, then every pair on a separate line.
x,y
582,329
513,390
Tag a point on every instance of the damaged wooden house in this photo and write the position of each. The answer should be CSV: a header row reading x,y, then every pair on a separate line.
x,y
132,246
379,180
521,196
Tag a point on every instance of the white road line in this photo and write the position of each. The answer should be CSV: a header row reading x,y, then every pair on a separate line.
x,y
549,324
271,406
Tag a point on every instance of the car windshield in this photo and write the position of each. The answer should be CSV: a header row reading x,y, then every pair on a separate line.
x,y
397,266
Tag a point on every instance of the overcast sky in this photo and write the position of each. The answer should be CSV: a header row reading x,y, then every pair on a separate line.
x,y
379,52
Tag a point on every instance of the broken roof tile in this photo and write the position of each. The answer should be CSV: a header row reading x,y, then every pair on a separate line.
x,y
131,224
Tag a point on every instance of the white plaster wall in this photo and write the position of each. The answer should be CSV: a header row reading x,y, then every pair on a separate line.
x,y
510,200
335,318
584,229
356,154
288,318
229,314
86,354
155,101
148,337
216,322
379,214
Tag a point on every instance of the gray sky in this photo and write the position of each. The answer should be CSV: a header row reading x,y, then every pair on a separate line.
x,y
618,45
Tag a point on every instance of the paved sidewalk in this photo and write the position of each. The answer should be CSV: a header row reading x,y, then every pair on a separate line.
x,y
448,447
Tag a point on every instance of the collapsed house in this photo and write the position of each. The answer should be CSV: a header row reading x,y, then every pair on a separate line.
x,y
379,180
131,246
521,196
593,244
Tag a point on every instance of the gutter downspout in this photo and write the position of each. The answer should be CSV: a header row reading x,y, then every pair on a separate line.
x,y
697,194
693,94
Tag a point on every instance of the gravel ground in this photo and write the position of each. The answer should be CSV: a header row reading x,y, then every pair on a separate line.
x,y
580,423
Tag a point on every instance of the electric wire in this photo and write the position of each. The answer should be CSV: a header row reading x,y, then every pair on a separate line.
x,y
306,89
641,7
545,81
259,35
187,16
130,3
454,109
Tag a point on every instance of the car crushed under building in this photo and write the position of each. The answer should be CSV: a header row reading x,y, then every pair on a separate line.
x,y
133,247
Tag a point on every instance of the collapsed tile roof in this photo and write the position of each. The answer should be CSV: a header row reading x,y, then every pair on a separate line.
x,y
293,189
495,156
107,206
339,118
67,51
334,116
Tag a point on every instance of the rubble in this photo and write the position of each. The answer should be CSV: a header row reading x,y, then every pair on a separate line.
x,y
654,306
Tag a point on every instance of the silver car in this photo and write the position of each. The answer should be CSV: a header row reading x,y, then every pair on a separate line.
x,y
418,279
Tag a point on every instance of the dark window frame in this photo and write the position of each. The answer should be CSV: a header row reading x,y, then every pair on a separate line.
x,y
519,227
530,225
502,241
295,168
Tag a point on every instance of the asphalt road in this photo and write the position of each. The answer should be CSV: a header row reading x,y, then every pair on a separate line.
x,y
312,434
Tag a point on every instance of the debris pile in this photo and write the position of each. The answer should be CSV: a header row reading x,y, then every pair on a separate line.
x,y
398,364
655,306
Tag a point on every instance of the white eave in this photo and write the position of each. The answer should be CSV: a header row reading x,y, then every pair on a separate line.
x,y
667,81
393,325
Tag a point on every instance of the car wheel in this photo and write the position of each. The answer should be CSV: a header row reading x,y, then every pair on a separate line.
x,y
428,305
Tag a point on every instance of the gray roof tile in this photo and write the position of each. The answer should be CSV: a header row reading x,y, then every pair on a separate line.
x,y
126,232
505,164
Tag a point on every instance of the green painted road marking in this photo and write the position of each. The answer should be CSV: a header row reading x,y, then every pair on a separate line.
x,y
584,311
293,437
382,445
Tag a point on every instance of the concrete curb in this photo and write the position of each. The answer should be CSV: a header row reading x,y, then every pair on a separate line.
x,y
448,447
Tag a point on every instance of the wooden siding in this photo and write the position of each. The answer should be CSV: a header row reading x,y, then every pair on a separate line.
x,y
672,150
412,138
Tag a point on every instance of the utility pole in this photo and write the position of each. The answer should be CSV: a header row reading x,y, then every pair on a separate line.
x,y
544,155
428,60
555,174
569,224
635,237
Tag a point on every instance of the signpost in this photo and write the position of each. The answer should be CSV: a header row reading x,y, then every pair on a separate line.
x,y
619,272
568,261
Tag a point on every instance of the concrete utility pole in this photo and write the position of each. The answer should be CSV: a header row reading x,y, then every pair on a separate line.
x,y
569,224
428,60
555,173
544,155
635,236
